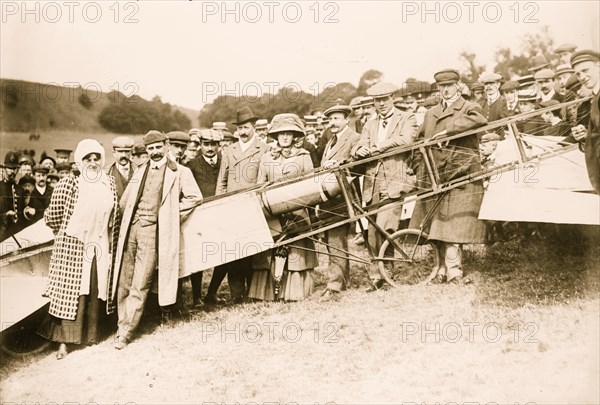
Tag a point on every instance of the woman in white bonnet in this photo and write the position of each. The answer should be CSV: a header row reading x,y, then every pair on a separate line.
x,y
82,209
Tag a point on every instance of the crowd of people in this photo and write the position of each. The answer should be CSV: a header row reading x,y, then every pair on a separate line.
x,y
134,207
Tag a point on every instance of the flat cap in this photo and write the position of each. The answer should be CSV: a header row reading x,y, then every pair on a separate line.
x,y
178,137
228,136
344,109
153,136
538,62
565,48
210,135
122,142
261,124
573,83
26,179
53,176
64,166
549,103
382,89
446,76
41,169
287,122
490,77
219,126
510,85
477,86
544,74
194,131
138,149
587,55
63,151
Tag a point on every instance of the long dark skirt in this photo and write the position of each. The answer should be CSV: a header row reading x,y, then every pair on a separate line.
x,y
89,324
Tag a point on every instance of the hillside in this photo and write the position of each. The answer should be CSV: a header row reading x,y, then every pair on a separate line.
x,y
32,107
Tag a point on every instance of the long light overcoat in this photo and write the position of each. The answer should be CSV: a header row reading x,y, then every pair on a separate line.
x,y
180,194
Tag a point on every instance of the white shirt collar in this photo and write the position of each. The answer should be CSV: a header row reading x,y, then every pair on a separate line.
x,y
209,160
158,164
245,145
40,190
491,100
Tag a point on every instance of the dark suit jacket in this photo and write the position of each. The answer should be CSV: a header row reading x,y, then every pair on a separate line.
x,y
40,202
206,176
120,181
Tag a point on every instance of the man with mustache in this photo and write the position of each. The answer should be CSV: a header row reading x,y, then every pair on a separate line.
x,y
178,142
239,170
123,168
337,149
11,198
40,196
159,196
545,81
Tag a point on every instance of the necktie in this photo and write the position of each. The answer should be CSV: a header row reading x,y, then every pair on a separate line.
x,y
155,167
334,140
384,123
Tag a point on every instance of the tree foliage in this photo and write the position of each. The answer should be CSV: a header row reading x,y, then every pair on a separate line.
x,y
134,115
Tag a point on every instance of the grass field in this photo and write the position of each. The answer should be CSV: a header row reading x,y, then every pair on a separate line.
x,y
527,331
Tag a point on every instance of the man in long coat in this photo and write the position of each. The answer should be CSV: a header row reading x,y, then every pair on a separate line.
x,y
385,179
239,170
159,196
454,221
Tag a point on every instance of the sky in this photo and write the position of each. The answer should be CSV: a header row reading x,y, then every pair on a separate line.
x,y
190,52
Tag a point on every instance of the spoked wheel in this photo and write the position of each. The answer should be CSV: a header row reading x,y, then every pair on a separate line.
x,y
410,260
21,339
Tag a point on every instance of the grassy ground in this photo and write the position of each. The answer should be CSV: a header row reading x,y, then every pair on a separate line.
x,y
526,331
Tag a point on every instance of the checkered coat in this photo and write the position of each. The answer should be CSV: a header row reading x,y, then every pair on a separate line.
x,y
66,263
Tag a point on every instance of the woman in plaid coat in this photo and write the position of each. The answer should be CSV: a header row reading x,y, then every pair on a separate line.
x,y
81,210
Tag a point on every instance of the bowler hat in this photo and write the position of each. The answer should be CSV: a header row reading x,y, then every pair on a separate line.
x,y
138,149
538,62
153,136
584,56
244,115
287,122
381,89
344,109
11,160
446,76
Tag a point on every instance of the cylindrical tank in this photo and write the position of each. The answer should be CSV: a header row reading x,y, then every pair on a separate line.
x,y
291,197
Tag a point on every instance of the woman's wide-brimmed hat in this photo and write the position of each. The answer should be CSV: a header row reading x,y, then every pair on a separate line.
x,y
287,122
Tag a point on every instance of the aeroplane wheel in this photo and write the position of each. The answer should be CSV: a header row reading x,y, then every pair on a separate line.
x,y
413,264
21,339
